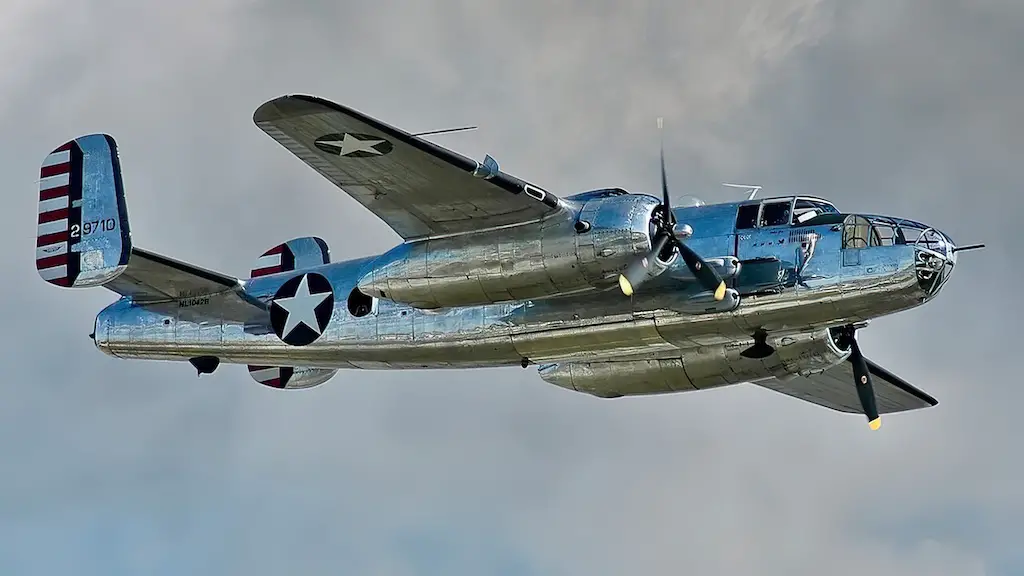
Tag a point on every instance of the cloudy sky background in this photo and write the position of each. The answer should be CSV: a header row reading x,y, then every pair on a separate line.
x,y
904,107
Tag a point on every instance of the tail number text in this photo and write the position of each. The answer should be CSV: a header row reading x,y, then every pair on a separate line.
x,y
92,227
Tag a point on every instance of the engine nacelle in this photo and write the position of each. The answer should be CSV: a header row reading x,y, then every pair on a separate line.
x,y
553,257
700,368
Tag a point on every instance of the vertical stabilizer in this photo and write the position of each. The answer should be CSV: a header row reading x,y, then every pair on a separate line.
x,y
82,237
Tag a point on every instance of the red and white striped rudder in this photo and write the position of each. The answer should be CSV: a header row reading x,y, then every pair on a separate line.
x,y
82,235
296,254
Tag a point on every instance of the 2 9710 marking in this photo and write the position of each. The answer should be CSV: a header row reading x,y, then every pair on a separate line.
x,y
90,227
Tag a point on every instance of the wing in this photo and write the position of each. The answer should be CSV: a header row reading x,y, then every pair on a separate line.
x,y
417,187
191,293
835,389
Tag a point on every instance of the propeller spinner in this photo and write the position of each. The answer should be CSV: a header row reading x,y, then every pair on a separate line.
x,y
665,241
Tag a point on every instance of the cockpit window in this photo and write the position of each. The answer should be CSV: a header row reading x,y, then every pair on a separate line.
x,y
778,212
775,214
888,233
805,209
747,217
859,233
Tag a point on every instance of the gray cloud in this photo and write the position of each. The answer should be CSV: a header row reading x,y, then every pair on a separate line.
x,y
900,107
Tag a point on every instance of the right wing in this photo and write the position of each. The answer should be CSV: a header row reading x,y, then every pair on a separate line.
x,y
417,187
835,389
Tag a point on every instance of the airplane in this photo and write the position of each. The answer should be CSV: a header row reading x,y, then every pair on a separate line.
x,y
607,292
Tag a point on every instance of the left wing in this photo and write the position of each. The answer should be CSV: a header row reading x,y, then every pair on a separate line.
x,y
835,389
417,187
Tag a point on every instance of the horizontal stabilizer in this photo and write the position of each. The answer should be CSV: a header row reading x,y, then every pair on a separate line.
x,y
290,378
294,254
189,292
834,388
82,236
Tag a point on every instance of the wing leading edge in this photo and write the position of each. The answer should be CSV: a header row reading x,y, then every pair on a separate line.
x,y
418,188
834,388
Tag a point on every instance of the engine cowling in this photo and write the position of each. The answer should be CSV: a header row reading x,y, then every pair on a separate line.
x,y
700,368
553,257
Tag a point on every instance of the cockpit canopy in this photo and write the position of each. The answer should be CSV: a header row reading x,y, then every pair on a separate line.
x,y
859,230
781,212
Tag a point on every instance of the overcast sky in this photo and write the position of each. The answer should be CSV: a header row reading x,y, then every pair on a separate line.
x,y
910,108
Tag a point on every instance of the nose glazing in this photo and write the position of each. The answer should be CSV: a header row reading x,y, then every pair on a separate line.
x,y
934,260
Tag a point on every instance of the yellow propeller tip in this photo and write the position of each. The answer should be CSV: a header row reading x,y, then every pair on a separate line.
x,y
876,423
720,291
626,287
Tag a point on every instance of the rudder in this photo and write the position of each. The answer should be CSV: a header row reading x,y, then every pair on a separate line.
x,y
83,238
295,254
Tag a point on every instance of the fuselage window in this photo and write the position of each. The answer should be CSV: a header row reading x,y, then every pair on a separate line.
x,y
859,233
886,233
775,214
747,217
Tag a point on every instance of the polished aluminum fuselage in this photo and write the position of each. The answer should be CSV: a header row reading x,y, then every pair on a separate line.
x,y
809,293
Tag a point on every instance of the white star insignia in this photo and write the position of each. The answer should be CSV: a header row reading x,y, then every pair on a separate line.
x,y
350,144
301,308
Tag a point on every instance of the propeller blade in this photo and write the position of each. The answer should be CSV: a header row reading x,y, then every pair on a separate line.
x,y
705,273
636,273
865,391
665,200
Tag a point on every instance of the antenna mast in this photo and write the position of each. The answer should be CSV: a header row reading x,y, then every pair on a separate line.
x,y
444,131
752,188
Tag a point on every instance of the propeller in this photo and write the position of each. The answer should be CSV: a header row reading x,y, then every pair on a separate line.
x,y
665,241
862,378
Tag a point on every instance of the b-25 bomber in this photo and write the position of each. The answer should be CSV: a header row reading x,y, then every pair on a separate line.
x,y
607,292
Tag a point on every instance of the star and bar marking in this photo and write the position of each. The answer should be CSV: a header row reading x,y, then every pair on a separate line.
x,y
302,309
351,145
